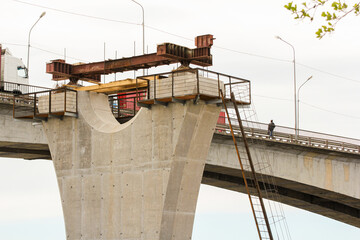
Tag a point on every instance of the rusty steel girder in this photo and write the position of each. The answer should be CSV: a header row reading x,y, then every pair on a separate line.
x,y
167,53
198,56
204,41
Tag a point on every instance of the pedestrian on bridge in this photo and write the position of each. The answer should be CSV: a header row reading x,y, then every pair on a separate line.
x,y
271,127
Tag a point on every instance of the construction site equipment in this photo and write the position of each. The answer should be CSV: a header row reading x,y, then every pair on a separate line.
x,y
256,200
167,53
193,84
13,73
55,103
127,96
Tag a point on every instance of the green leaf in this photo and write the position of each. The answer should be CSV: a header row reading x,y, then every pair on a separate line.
x,y
328,16
334,5
288,7
318,33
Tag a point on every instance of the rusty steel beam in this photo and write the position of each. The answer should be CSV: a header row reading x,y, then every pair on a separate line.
x,y
204,41
166,54
121,65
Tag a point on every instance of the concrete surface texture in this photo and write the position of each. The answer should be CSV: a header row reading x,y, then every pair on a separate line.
x,y
138,180
20,139
319,181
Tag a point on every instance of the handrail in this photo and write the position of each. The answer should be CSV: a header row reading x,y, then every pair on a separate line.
x,y
28,85
30,105
323,142
201,87
304,133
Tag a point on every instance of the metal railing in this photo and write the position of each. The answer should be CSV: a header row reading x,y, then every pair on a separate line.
x,y
40,105
9,89
39,102
124,105
17,88
195,81
287,135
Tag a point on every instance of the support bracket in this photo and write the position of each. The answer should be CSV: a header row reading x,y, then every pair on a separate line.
x,y
218,102
173,99
148,106
160,103
197,98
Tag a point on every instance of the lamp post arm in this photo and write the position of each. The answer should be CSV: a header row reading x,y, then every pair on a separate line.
x,y
28,55
143,23
303,85
27,62
298,102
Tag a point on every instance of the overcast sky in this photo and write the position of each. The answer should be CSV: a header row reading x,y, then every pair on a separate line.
x,y
245,46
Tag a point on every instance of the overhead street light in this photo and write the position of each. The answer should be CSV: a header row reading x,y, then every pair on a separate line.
x,y
28,54
296,124
298,104
143,27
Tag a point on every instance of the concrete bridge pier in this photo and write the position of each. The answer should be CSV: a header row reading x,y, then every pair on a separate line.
x,y
138,180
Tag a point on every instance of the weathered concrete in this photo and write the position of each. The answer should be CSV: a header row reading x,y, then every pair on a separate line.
x,y
319,181
21,139
138,180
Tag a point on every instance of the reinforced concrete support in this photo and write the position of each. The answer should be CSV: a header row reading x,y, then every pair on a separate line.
x,y
138,180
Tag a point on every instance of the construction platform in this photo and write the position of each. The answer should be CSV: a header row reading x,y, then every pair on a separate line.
x,y
127,96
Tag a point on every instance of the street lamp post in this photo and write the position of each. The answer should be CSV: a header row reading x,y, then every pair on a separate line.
x,y
28,53
298,104
296,123
143,27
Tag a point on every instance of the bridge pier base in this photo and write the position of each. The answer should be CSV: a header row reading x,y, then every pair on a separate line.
x,y
138,180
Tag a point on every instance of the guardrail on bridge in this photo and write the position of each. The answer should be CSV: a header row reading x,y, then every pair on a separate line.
x,y
283,134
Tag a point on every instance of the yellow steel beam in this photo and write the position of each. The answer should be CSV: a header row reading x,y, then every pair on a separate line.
x,y
117,86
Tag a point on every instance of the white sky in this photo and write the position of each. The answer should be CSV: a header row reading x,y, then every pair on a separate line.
x,y
329,100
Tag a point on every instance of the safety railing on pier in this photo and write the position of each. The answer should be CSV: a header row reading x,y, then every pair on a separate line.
x,y
193,83
287,135
41,105
124,105
9,89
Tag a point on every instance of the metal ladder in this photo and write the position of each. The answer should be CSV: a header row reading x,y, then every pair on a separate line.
x,y
255,198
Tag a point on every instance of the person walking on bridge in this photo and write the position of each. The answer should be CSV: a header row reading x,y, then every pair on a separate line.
x,y
271,127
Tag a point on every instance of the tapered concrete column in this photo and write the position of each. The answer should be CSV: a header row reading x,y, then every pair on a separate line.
x,y
138,180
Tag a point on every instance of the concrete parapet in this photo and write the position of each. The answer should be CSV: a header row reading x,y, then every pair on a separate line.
x,y
138,180
58,102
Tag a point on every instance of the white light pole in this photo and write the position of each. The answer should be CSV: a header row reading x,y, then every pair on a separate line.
x,y
143,27
296,124
298,105
28,53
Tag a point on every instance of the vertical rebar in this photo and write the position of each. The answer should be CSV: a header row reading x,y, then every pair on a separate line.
x,y
49,102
